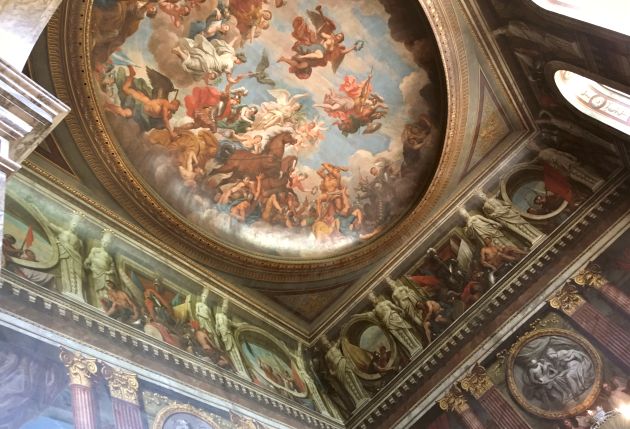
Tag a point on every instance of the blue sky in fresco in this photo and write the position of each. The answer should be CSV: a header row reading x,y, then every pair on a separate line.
x,y
359,20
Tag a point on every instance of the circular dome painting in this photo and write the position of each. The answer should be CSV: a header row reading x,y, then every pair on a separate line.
x,y
285,128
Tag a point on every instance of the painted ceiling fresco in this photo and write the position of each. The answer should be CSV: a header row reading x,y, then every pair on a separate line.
x,y
288,128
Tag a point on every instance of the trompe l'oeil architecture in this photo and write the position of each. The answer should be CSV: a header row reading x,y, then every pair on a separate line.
x,y
293,214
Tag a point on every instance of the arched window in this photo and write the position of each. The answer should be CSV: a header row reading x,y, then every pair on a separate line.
x,y
611,14
598,101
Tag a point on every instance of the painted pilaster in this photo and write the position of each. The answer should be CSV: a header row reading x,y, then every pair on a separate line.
x,y
123,388
81,369
607,333
592,277
479,385
455,402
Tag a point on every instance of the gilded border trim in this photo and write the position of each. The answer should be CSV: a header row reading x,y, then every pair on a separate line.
x,y
69,69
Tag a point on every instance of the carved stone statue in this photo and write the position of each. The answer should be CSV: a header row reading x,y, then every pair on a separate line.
x,y
101,268
341,369
204,316
480,227
391,317
503,212
70,257
224,329
407,300
570,166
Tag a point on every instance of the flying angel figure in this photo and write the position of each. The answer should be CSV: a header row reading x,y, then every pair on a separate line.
x,y
317,47
284,109
261,74
148,103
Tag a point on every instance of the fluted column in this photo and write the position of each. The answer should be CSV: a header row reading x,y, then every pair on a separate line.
x,y
606,332
592,276
123,388
80,370
479,385
455,402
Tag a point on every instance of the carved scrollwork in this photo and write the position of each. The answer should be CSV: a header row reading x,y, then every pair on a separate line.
x,y
590,276
567,299
80,368
122,385
477,381
453,400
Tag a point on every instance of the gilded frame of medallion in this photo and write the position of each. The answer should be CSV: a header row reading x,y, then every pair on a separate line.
x,y
580,341
368,320
239,335
168,411
69,56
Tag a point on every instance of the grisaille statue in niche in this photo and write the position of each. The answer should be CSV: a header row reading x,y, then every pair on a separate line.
x,y
391,317
340,368
316,396
480,228
224,328
407,300
100,266
503,212
204,316
70,255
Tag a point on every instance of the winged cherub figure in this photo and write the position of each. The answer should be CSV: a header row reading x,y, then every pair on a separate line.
x,y
317,47
284,109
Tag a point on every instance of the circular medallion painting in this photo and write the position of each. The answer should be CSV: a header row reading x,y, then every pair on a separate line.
x,y
270,362
283,128
554,373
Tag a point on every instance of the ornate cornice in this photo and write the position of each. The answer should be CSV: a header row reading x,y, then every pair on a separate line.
x,y
122,385
567,299
610,197
590,276
454,400
81,369
70,29
77,317
477,381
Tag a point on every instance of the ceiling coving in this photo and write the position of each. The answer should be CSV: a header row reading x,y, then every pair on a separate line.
x,y
290,137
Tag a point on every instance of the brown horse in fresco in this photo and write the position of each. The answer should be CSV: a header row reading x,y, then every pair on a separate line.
x,y
244,163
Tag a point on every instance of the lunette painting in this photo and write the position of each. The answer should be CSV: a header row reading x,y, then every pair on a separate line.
x,y
289,128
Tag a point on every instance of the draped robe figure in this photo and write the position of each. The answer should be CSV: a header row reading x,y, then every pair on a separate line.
x,y
70,259
224,329
407,300
390,316
480,227
204,317
341,369
504,213
100,265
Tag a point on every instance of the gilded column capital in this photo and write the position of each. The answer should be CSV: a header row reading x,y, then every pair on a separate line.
x,y
477,381
453,400
122,385
80,368
567,299
590,276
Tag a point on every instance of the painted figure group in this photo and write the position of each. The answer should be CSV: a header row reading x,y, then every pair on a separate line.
x,y
234,157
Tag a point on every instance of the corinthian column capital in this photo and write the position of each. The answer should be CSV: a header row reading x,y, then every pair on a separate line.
x,y
80,368
477,381
590,276
453,400
567,299
122,385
